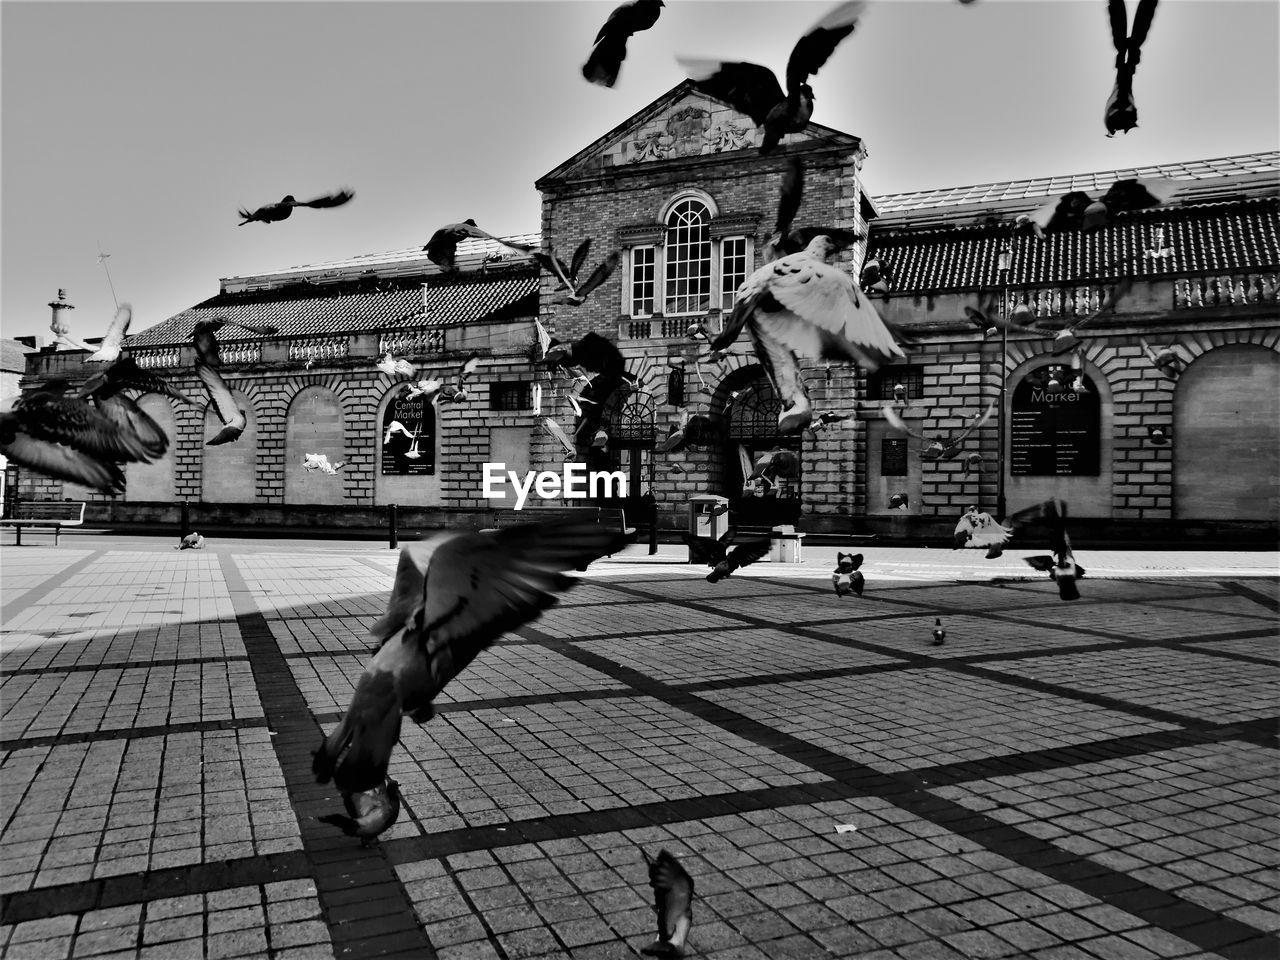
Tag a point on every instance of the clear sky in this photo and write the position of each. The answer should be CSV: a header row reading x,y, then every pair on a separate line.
x,y
143,126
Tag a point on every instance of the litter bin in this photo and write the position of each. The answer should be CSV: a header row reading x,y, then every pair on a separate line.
x,y
784,545
708,517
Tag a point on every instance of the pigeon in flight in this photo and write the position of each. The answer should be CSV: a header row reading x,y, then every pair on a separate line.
x,y
105,390
320,461
443,245
578,293
1167,359
369,812
396,366
1079,211
676,437
1121,112
755,91
786,239
801,306
940,447
558,432
598,356
453,596
1066,338
437,391
672,902
847,577
774,464
976,530
827,418
723,562
109,350
192,541
274,212
208,361
1061,566
610,48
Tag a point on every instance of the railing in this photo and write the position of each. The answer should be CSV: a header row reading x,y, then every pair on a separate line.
x,y
1047,302
319,348
241,351
411,342
665,328
162,357
1227,290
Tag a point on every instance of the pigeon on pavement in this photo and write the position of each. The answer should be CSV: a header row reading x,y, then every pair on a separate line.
x,y
847,577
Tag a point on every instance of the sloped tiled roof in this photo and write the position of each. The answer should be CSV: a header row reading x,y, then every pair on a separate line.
x,y
1254,166
318,309
13,356
411,261
1225,237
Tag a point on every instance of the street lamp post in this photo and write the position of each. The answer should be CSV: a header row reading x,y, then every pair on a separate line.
x,y
1003,266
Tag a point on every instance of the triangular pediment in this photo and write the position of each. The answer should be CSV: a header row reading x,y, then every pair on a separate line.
x,y
684,123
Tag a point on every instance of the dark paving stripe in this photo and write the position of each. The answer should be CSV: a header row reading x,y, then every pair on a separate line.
x,y
116,665
381,922
1262,599
131,888
42,590
961,665
132,733
1192,922
499,703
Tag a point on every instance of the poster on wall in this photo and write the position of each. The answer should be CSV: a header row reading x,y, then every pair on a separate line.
x,y
408,437
1054,434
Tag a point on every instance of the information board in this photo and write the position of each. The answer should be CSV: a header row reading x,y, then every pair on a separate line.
x,y
408,437
893,457
1054,434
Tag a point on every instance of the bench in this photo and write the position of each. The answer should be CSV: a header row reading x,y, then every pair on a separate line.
x,y
45,513
612,518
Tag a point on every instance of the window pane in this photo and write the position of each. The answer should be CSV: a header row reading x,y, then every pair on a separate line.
x,y
688,259
733,269
642,281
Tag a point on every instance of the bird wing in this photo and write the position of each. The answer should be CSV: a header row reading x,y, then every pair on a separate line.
x,y
407,588
328,200
790,196
579,258
131,419
705,549
836,319
553,265
897,423
1119,19
747,87
744,461
1151,354
749,552
544,338
469,366
815,47
224,403
988,533
843,237
557,431
115,334
593,352
975,423
599,275
1142,18
59,461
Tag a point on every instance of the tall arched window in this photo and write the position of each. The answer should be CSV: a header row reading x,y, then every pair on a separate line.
x,y
688,258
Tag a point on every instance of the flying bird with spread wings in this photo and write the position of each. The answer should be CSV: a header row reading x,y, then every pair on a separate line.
x,y
1077,210
105,390
599,357
438,391
977,530
396,366
939,447
717,555
442,248
1166,359
610,48
1061,566
755,91
320,461
208,361
568,275
275,212
109,350
802,306
453,597
1121,112
1066,338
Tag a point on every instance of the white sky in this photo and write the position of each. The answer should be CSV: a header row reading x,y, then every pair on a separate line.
x,y
143,126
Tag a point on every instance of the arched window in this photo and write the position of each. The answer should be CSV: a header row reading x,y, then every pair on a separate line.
x,y
688,258
752,412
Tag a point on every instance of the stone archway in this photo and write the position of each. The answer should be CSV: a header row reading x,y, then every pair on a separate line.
x,y
748,407
229,473
313,425
1226,436
154,481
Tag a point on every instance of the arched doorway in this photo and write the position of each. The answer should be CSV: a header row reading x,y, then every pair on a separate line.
x,y
154,481
313,425
1226,436
751,418
630,425
230,470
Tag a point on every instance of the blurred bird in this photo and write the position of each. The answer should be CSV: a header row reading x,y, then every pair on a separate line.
x,y
369,812
898,502
1166,359
847,577
437,391
716,553
192,541
676,437
611,42
274,212
976,530
1121,112
109,350
1079,211
772,465
939,634
938,447
785,239
320,461
1078,384
800,306
986,320
972,463
601,358
1066,338
1061,567
755,91
396,366
1158,436
453,596
558,432
675,470
874,279
578,293
545,340
827,418
105,390
672,902
208,360
442,248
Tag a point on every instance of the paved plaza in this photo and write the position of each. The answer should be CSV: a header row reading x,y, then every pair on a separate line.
x,y
1062,781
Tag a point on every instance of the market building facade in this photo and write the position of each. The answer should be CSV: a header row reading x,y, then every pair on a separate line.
x,y
681,191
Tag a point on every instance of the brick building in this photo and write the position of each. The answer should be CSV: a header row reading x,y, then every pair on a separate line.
x,y
681,191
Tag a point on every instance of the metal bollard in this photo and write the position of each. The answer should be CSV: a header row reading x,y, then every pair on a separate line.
x,y
184,522
653,524
394,532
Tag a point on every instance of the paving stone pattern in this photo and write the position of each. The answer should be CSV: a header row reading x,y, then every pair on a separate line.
x,y
1086,781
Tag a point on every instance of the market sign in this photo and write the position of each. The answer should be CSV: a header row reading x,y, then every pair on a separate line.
x,y
408,437
1054,433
